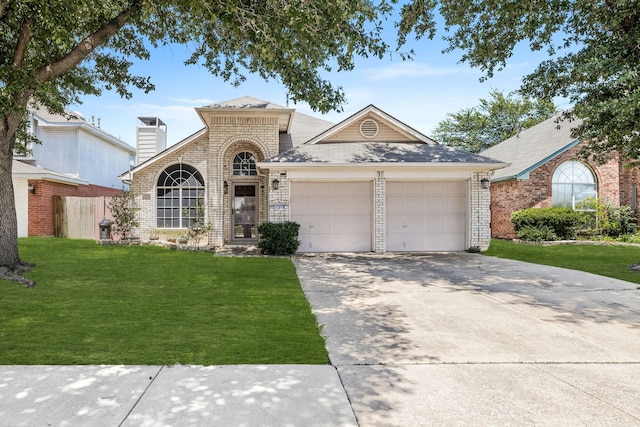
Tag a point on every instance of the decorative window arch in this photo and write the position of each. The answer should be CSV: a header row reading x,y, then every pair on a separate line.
x,y
244,164
179,194
573,182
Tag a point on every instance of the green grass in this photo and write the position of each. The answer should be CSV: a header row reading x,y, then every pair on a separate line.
x,y
606,260
147,305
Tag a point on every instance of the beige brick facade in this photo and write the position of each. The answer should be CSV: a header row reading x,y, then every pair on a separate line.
x,y
234,130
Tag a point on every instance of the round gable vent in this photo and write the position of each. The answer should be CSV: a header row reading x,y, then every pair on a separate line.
x,y
369,128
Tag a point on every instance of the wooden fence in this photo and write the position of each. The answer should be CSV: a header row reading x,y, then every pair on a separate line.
x,y
79,217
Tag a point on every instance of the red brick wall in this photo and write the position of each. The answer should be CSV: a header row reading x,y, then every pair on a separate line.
x,y
41,203
614,186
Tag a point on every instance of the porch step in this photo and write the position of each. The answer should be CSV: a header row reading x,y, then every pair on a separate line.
x,y
238,250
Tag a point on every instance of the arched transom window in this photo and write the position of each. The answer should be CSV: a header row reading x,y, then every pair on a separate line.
x,y
573,182
244,164
180,193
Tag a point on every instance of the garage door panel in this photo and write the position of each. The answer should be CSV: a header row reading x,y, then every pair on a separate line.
x,y
336,217
426,216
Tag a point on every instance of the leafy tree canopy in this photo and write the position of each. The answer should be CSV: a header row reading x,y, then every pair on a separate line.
x,y
492,121
594,56
54,51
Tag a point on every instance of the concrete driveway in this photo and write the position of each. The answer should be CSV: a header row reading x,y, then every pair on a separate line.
x,y
465,339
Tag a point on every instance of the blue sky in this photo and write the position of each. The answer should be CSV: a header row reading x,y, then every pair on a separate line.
x,y
419,93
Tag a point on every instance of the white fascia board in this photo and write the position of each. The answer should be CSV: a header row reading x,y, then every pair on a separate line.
x,y
52,178
390,170
475,167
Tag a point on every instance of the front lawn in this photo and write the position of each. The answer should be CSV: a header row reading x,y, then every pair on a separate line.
x,y
152,306
606,260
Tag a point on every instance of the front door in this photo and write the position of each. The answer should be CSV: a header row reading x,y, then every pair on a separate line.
x,y
245,212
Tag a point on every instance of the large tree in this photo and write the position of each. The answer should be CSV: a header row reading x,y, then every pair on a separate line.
x,y
54,51
495,119
594,56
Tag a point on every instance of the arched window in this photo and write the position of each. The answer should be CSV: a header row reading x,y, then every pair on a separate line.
x,y
244,164
179,195
573,182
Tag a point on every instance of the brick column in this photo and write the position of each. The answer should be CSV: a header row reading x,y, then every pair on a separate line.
x,y
278,199
380,213
480,200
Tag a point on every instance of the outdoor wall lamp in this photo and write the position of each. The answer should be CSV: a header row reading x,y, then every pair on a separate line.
x,y
275,184
225,187
484,183
32,189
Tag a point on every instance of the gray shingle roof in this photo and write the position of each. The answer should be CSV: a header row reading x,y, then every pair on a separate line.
x,y
532,148
377,152
303,128
246,102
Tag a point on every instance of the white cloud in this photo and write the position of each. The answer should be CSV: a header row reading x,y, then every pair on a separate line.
x,y
199,102
412,69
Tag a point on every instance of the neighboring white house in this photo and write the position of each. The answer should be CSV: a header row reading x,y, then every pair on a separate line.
x,y
75,158
78,148
369,183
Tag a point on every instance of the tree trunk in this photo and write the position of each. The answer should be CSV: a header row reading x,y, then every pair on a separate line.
x,y
8,220
11,268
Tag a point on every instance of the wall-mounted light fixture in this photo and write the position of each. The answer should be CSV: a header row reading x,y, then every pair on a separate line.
x,y
225,187
484,183
32,189
275,184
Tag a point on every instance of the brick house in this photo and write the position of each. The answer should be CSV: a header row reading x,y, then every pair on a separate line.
x,y
545,170
75,158
369,183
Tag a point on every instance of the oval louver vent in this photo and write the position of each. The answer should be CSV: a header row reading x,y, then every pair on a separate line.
x,y
369,128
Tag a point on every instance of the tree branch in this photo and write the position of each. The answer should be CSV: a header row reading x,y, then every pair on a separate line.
x,y
23,41
86,46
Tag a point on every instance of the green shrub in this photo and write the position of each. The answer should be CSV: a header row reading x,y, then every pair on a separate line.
x,y
605,219
562,221
125,213
537,234
278,238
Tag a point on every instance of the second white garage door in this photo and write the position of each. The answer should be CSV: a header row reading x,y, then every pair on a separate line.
x,y
333,216
426,216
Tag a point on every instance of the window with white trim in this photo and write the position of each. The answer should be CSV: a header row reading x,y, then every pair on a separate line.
x,y
244,164
179,192
573,182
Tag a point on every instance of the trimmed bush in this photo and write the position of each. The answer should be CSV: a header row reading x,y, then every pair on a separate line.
x,y
562,222
542,233
278,238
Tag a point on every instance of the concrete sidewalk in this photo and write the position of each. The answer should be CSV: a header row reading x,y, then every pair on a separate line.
x,y
240,395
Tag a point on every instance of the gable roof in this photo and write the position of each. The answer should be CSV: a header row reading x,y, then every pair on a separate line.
x,y
532,148
74,119
413,148
372,110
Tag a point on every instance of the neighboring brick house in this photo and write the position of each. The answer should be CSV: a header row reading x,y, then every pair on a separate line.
x,y
75,158
545,170
369,183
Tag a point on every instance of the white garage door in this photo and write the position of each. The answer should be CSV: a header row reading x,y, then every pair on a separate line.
x,y
333,216
426,216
